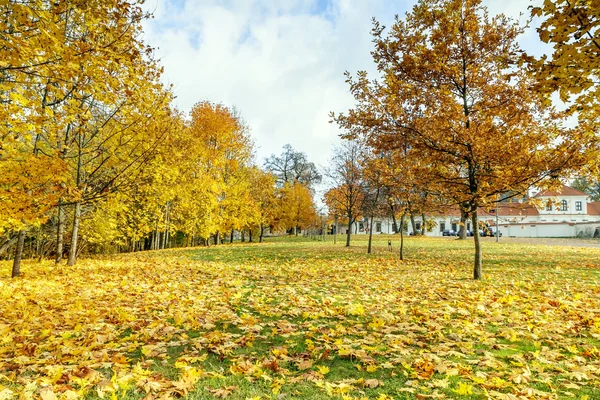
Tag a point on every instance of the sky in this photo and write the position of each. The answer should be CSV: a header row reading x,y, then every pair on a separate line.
x,y
280,63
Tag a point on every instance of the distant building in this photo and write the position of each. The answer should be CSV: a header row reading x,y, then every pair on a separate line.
x,y
566,212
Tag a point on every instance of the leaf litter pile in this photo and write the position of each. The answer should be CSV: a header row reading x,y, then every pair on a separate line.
x,y
305,320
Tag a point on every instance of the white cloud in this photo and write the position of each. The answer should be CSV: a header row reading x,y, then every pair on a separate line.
x,y
279,62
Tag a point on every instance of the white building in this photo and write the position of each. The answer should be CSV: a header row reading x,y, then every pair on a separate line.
x,y
563,213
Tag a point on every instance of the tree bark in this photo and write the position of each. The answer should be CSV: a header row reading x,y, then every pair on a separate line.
x,y
402,237
477,265
74,235
462,231
371,222
60,234
243,235
250,235
394,222
16,269
217,237
231,237
262,231
370,235
413,223
349,231
423,224
9,243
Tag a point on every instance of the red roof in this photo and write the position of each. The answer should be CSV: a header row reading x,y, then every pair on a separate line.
x,y
510,210
593,208
564,191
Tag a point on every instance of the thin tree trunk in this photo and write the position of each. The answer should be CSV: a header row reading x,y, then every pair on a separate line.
x,y
38,244
231,237
370,235
243,235
477,265
16,269
250,235
402,237
74,235
413,223
9,243
394,222
349,231
262,231
217,237
371,222
423,224
462,231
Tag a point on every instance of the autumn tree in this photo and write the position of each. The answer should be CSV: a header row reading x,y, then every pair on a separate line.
x,y
346,197
264,198
296,208
452,86
572,27
293,166
224,149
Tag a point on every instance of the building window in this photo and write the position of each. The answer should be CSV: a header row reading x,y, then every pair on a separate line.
x,y
418,226
377,227
564,206
454,226
578,206
549,206
442,226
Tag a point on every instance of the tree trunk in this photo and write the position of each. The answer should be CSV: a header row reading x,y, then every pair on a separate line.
x,y
413,223
74,235
423,224
394,222
477,266
243,235
60,233
462,231
8,243
217,237
402,237
16,269
349,231
231,237
250,235
262,231
370,235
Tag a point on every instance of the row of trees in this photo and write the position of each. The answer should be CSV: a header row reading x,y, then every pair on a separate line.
x,y
94,154
459,114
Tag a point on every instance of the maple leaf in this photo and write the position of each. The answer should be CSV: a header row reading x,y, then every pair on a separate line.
x,y
223,392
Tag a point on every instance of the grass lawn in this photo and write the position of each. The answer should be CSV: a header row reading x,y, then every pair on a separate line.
x,y
305,319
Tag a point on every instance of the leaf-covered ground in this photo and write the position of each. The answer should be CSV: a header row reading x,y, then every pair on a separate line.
x,y
309,320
